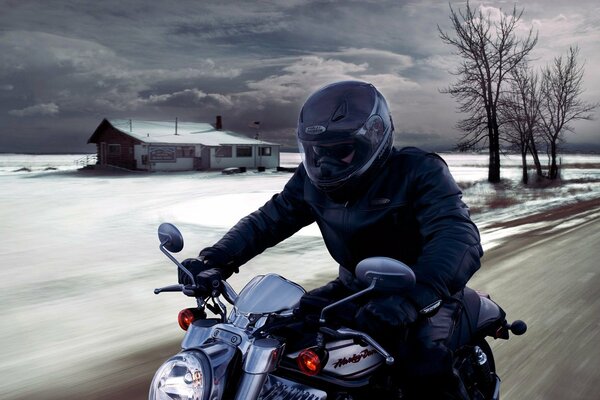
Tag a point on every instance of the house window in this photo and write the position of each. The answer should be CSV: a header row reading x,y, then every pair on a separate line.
x,y
185,151
265,151
114,149
243,151
223,151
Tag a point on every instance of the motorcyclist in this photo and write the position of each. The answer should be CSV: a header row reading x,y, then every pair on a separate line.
x,y
369,199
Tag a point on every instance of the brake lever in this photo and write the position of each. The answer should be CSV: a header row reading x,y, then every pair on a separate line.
x,y
171,288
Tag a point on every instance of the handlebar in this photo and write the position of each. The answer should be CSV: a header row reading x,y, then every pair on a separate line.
x,y
190,290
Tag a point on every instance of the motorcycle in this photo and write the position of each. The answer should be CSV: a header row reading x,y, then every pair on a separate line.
x,y
259,350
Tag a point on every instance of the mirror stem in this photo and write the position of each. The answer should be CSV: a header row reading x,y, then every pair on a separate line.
x,y
181,267
345,300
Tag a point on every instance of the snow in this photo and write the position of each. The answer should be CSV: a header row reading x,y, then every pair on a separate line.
x,y
187,132
80,254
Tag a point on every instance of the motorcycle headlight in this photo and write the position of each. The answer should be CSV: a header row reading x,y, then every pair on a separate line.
x,y
185,376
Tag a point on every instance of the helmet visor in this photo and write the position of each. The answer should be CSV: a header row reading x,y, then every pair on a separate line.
x,y
338,151
329,162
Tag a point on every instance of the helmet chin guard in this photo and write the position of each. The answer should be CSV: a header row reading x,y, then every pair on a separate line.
x,y
344,133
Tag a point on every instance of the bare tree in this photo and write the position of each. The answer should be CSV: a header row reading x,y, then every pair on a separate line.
x,y
520,110
490,50
561,102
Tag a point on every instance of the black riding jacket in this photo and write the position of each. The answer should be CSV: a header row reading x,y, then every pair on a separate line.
x,y
411,211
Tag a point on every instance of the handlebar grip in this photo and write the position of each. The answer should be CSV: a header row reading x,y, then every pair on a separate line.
x,y
518,327
335,334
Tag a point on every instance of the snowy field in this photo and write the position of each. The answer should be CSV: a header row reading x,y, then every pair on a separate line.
x,y
79,253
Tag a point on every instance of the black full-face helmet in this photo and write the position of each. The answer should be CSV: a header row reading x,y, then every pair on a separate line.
x,y
344,133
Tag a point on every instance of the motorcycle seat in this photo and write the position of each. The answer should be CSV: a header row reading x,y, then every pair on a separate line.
x,y
478,318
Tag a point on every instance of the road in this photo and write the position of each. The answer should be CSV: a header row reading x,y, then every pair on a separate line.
x,y
551,280
548,277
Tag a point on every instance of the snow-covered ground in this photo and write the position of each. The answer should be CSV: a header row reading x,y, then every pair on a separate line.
x,y
79,253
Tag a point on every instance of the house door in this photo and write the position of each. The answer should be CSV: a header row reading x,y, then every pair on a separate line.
x,y
205,158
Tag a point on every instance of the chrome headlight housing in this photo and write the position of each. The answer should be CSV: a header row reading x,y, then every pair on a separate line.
x,y
185,376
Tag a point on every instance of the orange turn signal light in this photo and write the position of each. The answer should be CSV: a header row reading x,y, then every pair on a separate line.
x,y
185,318
309,362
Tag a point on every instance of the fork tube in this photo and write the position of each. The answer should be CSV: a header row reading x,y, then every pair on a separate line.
x,y
250,386
262,357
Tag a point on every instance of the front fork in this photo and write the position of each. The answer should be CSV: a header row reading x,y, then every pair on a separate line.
x,y
262,358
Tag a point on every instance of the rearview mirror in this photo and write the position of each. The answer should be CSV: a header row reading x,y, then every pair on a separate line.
x,y
170,237
385,274
378,274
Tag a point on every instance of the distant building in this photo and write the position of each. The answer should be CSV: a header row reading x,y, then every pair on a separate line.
x,y
178,146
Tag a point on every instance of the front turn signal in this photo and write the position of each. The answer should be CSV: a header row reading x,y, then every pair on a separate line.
x,y
187,316
309,362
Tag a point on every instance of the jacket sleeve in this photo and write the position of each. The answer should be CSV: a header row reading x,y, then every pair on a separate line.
x,y
451,245
279,218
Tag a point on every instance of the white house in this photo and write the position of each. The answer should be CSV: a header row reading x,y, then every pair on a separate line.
x,y
178,146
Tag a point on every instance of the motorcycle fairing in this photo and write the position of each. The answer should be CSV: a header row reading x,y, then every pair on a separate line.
x,y
198,333
266,294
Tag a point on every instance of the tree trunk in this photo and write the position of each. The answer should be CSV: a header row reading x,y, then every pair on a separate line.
x,y
553,167
494,167
524,164
491,165
536,158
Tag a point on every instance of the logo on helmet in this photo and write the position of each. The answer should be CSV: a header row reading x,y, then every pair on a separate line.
x,y
315,129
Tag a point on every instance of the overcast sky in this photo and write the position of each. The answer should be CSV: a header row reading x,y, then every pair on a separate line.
x,y
66,64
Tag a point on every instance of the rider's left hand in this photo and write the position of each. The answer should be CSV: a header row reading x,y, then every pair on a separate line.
x,y
385,313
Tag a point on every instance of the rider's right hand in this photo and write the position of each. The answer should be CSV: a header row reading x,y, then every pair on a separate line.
x,y
195,266
209,257
208,281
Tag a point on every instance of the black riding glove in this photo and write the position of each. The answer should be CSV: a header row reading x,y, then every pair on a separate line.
x,y
312,303
195,266
209,258
383,314
207,282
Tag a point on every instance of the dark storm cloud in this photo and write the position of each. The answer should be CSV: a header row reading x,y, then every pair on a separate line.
x,y
66,64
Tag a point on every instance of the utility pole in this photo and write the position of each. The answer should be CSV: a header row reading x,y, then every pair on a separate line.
x,y
259,147
176,125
